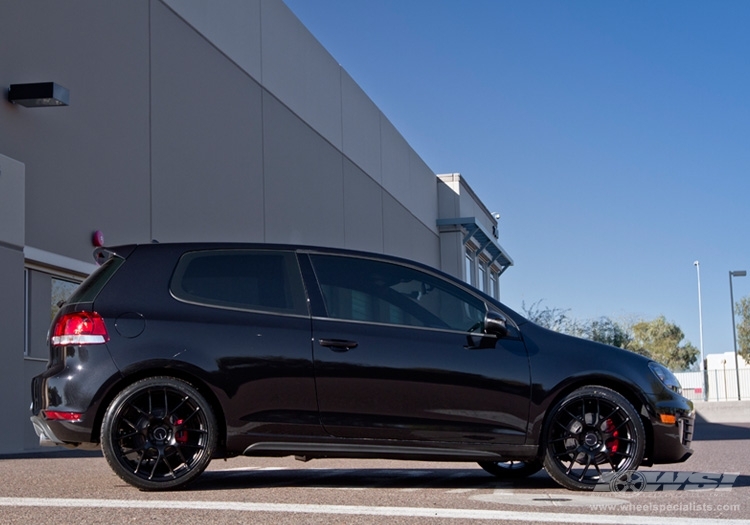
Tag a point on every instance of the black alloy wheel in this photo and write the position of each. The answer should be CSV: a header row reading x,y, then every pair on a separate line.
x,y
590,436
512,469
158,434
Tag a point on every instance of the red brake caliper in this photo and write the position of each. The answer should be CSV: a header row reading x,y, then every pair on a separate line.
x,y
181,436
612,442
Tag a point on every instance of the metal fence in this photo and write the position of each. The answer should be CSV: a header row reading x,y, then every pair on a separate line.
x,y
720,384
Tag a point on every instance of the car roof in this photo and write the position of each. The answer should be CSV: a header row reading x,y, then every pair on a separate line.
x,y
103,253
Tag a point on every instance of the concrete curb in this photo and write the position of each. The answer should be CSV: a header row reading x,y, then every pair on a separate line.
x,y
723,411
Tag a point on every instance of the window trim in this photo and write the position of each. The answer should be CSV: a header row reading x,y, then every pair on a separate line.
x,y
26,316
52,262
401,326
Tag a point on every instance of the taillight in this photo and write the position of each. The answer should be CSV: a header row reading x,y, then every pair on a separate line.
x,y
79,328
62,416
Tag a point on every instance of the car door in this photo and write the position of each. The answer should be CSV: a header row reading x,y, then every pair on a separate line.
x,y
245,320
399,353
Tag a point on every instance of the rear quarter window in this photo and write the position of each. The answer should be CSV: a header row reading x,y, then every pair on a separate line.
x,y
257,280
94,283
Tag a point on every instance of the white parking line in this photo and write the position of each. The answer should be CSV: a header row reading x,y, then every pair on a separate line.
x,y
544,499
352,510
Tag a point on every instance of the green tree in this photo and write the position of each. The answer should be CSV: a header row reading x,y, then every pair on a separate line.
x,y
662,341
602,330
552,318
742,309
606,330
657,339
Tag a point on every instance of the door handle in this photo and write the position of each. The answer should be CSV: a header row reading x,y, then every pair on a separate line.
x,y
338,345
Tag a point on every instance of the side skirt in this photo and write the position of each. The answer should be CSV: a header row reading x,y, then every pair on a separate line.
x,y
308,451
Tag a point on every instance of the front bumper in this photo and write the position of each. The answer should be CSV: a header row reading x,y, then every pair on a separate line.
x,y
672,441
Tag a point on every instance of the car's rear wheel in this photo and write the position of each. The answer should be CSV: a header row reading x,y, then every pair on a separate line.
x,y
158,433
590,436
512,469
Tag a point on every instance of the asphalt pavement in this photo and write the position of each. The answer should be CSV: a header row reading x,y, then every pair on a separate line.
x,y
73,487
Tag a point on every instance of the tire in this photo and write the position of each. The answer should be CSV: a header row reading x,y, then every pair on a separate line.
x,y
590,436
158,434
513,469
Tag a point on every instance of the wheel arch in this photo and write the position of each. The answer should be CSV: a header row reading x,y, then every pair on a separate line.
x,y
177,373
619,385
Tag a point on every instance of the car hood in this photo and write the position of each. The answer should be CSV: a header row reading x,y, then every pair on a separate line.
x,y
557,360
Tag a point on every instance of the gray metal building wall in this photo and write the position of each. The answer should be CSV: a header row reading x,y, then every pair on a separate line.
x,y
14,390
248,130
188,120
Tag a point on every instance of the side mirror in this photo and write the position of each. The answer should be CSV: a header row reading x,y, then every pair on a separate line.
x,y
495,323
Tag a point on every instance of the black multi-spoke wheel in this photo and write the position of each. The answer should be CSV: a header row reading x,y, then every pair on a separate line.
x,y
512,469
591,435
158,434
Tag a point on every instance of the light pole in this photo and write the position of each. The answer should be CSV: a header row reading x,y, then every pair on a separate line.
x,y
702,368
737,273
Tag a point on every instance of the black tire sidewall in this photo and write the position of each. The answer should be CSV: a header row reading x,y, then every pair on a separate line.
x,y
551,465
110,448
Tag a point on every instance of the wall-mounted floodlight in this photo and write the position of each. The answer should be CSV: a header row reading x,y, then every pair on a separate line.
x,y
39,95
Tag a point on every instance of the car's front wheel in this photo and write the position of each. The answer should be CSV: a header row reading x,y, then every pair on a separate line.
x,y
591,435
158,433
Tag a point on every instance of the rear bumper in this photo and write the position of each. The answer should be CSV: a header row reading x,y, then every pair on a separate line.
x,y
48,438
75,382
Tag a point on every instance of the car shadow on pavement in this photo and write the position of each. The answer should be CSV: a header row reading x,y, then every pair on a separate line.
x,y
707,431
364,478
61,453
433,479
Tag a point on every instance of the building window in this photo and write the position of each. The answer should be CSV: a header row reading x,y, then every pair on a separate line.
x,y
482,276
469,267
45,293
61,290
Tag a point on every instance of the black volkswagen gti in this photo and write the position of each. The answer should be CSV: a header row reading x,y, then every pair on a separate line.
x,y
170,355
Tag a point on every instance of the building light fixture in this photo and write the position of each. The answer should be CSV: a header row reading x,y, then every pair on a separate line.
x,y
39,95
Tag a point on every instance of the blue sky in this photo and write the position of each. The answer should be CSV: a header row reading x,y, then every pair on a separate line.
x,y
612,137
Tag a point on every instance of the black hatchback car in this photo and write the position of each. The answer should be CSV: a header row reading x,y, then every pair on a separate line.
x,y
170,355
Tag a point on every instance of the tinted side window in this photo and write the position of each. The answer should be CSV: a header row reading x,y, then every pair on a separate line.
x,y
94,283
242,279
382,292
